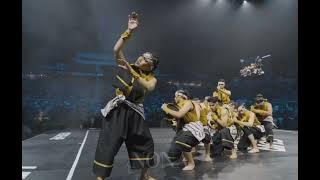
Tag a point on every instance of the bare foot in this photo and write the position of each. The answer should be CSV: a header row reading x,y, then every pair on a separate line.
x,y
254,150
151,178
147,177
263,139
270,145
189,167
233,155
207,158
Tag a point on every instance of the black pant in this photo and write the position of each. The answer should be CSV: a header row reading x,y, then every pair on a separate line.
x,y
184,141
268,126
221,140
123,124
207,138
244,141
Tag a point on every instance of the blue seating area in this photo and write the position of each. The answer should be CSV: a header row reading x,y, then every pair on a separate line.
x,y
72,101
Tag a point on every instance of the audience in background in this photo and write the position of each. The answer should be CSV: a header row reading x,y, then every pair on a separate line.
x,y
44,110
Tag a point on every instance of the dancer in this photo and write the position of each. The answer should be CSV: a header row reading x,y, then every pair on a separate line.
x,y
204,112
226,132
192,132
251,127
222,93
124,114
263,110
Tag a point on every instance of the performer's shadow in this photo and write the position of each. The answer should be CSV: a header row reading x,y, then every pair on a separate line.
x,y
206,170
176,172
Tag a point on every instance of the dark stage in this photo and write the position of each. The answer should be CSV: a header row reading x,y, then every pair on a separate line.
x,y
69,155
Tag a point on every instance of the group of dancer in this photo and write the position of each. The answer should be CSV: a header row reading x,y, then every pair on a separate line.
x,y
194,120
125,120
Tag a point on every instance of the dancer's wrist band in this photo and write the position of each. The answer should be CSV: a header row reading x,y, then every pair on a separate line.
x,y
126,35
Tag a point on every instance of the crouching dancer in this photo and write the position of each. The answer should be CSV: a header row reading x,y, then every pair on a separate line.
x,y
192,131
222,120
251,127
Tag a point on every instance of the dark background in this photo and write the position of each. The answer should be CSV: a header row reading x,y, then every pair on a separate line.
x,y
198,41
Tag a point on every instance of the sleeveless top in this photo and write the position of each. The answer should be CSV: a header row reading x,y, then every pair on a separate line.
x,y
126,85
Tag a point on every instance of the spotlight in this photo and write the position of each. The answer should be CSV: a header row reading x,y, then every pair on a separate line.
x,y
239,3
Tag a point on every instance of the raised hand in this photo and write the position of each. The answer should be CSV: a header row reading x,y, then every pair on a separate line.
x,y
133,21
164,106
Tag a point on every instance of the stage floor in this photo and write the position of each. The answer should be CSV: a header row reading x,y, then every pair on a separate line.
x,y
69,154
